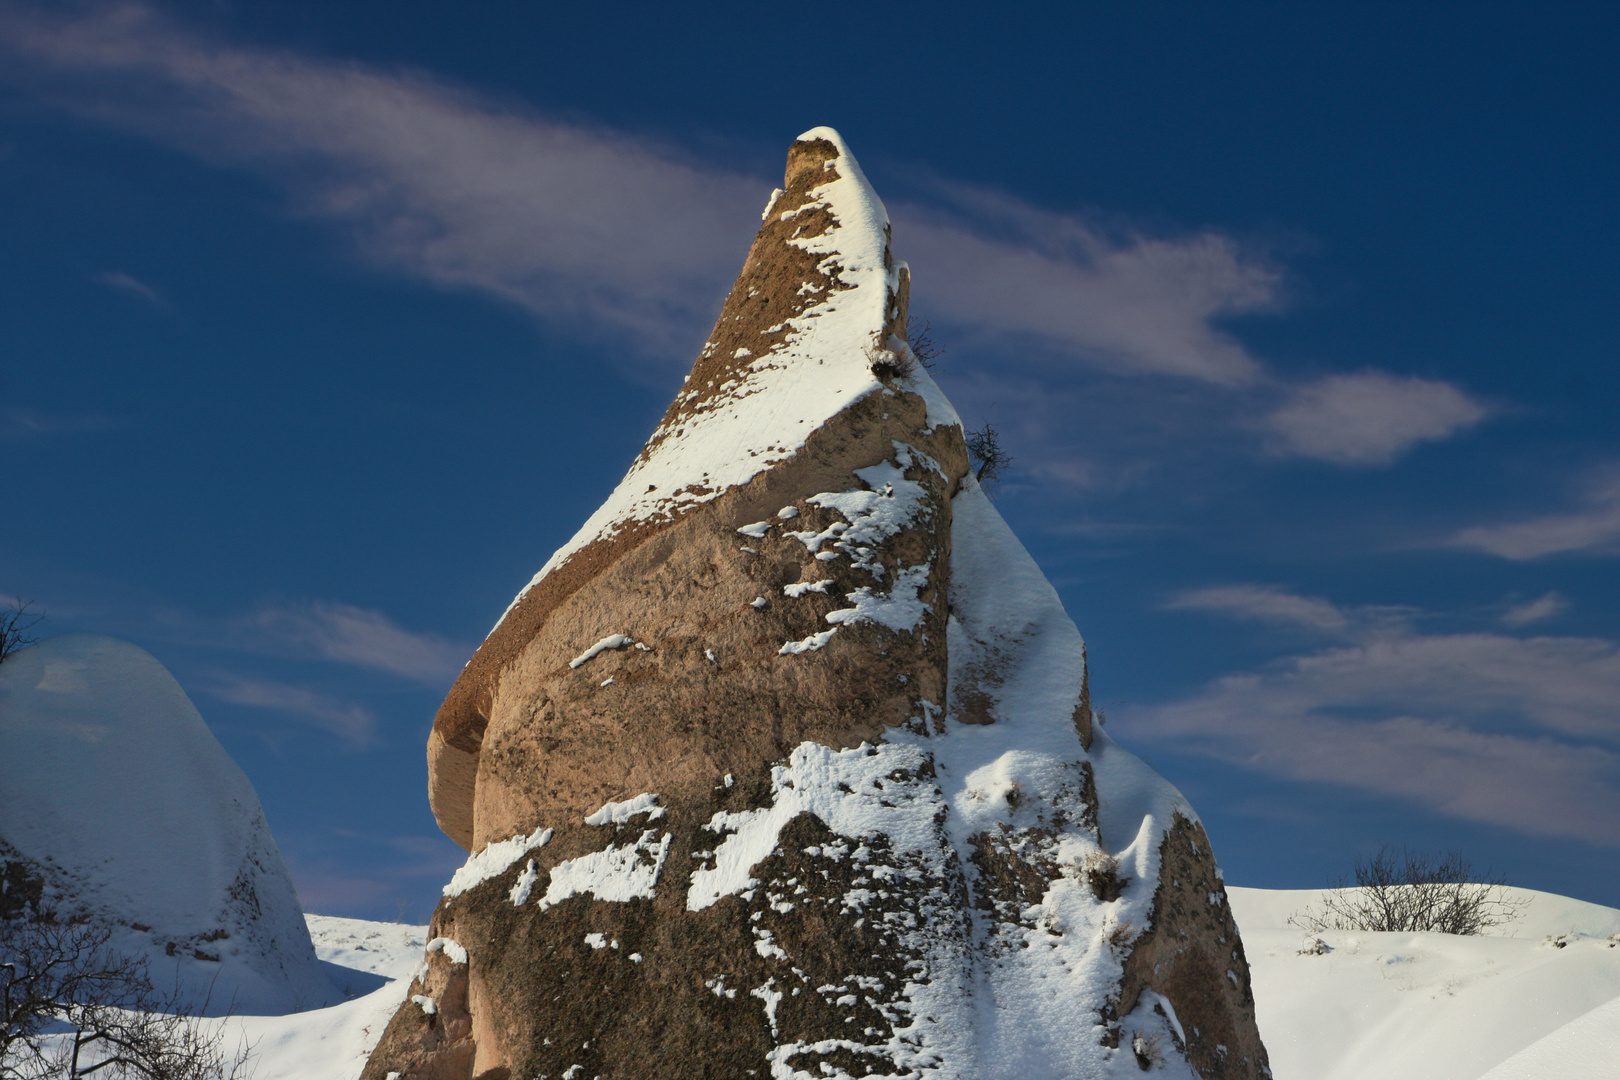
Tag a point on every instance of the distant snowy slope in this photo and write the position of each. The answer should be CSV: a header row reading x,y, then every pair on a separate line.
x,y
113,790
374,962
1538,998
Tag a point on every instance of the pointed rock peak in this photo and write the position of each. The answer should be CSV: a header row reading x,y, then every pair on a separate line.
x,y
818,297
819,303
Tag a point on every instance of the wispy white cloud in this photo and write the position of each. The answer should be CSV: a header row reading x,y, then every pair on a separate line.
x,y
1262,602
132,286
1370,417
590,227
349,722
608,234
1515,732
1132,303
1537,610
17,424
1595,528
578,225
1268,603
350,635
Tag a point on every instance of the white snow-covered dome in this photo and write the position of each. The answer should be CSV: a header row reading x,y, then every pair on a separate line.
x,y
115,792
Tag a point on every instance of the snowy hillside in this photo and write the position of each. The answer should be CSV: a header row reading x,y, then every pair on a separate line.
x,y
1511,1006
114,792
1538,998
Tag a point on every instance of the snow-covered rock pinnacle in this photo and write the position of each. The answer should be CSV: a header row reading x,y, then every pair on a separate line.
x,y
116,799
785,766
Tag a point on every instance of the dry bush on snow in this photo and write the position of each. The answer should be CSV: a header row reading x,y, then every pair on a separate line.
x,y
72,1006
1404,891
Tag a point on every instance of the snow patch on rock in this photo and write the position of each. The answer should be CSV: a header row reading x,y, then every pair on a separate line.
x,y
618,813
617,874
612,641
494,860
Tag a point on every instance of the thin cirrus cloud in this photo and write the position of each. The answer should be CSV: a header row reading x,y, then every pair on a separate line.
x,y
1595,528
20,424
590,228
1264,603
350,635
1514,732
132,286
1540,609
352,723
1370,417
609,235
1137,304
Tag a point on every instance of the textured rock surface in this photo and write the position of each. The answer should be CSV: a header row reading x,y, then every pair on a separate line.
x,y
116,802
784,765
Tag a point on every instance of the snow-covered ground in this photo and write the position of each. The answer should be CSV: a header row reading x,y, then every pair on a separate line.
x,y
373,963
1510,1006
1515,1005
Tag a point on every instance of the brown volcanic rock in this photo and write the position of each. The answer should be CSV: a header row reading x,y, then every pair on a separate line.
x,y
785,766
781,279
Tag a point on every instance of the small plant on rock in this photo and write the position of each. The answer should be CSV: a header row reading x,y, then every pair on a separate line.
x,y
891,366
1148,1048
1102,874
986,455
923,346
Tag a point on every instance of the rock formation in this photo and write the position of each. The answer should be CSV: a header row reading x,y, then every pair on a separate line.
x,y
785,765
117,803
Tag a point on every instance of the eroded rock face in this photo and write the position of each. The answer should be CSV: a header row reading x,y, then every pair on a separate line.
x,y
785,766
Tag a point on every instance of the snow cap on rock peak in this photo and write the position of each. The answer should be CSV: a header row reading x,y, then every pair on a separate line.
x,y
858,201
760,389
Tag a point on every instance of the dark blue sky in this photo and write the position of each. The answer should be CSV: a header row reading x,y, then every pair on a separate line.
x,y
322,325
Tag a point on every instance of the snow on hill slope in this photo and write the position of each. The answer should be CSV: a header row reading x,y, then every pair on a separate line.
x,y
1511,1006
373,964
116,794
1539,997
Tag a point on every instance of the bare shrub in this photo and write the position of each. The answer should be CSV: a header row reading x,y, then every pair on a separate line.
x,y
1403,891
72,1005
923,346
17,618
986,455
1121,935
